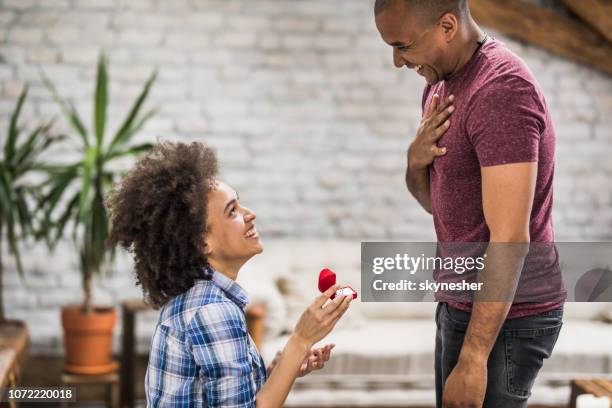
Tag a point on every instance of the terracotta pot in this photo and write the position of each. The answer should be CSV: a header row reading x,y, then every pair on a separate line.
x,y
88,339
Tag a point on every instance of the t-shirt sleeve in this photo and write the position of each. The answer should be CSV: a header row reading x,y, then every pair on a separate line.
x,y
219,343
504,122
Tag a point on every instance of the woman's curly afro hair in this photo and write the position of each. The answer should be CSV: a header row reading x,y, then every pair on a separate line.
x,y
158,213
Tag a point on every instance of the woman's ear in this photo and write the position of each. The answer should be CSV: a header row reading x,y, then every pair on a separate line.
x,y
207,247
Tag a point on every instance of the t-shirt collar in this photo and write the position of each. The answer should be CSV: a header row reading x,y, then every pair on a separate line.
x,y
458,76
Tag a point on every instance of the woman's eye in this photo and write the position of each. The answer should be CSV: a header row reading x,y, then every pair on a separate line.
x,y
233,211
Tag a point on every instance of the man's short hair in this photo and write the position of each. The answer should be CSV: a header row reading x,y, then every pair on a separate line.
x,y
428,10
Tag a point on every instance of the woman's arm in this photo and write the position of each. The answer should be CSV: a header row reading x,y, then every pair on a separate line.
x,y
315,323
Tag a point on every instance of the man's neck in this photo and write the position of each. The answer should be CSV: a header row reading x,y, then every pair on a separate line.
x,y
470,40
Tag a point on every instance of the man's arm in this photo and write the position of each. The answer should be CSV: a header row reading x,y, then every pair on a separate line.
x,y
507,196
423,149
417,181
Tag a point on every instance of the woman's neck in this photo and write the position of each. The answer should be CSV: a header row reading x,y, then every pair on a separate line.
x,y
229,269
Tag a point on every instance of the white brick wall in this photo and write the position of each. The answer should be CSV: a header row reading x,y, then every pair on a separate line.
x,y
310,118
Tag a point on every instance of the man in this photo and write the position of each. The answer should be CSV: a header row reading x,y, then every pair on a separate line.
x,y
482,163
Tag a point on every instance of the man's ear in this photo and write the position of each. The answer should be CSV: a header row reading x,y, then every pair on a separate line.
x,y
449,25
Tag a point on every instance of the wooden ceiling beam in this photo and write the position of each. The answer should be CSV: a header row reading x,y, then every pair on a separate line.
x,y
597,13
547,29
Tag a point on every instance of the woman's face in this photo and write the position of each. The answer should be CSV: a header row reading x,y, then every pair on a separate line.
x,y
231,236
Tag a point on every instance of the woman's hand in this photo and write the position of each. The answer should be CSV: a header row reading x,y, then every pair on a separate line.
x,y
298,358
315,360
318,320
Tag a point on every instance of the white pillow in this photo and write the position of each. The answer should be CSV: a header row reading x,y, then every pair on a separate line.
x,y
264,290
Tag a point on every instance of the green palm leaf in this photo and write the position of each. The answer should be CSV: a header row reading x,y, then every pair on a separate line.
x,y
127,129
86,181
13,130
68,110
100,101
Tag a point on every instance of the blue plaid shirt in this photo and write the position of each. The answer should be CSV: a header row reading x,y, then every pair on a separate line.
x,y
201,353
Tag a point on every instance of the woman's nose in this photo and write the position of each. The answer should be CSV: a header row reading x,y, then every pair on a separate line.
x,y
249,215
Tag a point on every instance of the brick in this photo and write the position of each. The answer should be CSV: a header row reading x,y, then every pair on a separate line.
x,y
94,4
192,124
313,8
62,35
140,38
25,36
195,41
55,4
42,55
43,18
295,24
336,25
19,4
6,72
6,17
13,88
140,5
80,55
84,19
235,39
247,23
204,21
297,41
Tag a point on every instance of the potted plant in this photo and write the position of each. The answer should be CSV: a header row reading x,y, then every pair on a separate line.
x,y
20,159
87,328
21,154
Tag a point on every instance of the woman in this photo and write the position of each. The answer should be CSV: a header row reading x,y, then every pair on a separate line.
x,y
190,235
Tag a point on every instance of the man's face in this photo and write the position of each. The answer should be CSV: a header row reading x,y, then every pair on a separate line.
x,y
231,236
416,45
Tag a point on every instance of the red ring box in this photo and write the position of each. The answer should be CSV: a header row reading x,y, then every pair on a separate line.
x,y
327,279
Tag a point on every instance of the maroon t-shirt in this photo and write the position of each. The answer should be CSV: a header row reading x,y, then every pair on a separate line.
x,y
500,117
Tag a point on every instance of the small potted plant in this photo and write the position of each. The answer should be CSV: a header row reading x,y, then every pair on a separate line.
x,y
88,329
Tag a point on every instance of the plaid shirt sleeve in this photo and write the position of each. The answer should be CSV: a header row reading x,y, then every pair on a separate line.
x,y
219,342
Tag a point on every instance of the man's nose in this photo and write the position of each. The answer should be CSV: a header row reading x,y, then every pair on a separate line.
x,y
398,60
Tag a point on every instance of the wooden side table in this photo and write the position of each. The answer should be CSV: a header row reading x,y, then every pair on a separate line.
x,y
109,380
599,387
14,343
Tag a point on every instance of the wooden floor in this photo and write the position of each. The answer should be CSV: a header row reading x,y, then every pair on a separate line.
x,y
426,406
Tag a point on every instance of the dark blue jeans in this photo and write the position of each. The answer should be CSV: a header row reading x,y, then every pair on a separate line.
x,y
514,362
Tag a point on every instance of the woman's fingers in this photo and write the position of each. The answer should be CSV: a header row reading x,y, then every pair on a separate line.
x,y
316,359
343,307
327,351
318,354
332,306
322,298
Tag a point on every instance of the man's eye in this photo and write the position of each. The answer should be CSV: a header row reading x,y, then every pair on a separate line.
x,y
233,211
